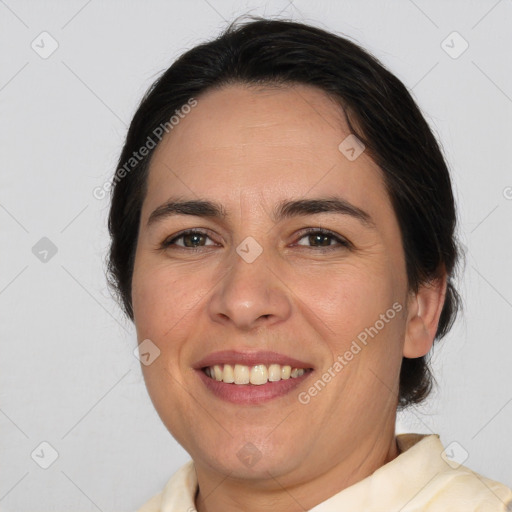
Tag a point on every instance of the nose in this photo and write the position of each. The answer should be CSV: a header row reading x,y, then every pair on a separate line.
x,y
250,295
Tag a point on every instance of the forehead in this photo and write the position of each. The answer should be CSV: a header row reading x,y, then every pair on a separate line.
x,y
263,143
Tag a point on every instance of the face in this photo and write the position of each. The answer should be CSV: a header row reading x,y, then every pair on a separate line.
x,y
301,267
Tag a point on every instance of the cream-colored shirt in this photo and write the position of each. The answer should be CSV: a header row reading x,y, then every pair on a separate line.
x,y
422,478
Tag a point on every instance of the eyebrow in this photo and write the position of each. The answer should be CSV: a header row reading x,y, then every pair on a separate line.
x,y
284,209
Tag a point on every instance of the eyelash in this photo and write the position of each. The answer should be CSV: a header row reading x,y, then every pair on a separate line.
x,y
342,242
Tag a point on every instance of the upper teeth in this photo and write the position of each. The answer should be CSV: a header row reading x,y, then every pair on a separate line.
x,y
257,374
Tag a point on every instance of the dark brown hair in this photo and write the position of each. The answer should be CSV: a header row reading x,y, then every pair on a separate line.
x,y
379,110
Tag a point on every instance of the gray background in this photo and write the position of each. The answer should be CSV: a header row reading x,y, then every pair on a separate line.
x,y
68,374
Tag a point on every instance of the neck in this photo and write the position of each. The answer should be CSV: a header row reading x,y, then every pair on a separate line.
x,y
221,493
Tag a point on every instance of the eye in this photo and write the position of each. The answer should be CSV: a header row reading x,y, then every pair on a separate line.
x,y
323,238
189,239
318,238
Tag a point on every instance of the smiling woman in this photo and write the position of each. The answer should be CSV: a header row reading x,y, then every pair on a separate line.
x,y
288,250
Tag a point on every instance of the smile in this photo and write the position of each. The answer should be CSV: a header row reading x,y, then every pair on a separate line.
x,y
256,375
251,377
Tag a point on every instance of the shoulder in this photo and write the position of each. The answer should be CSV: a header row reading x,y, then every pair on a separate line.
x,y
448,485
465,490
178,494
153,505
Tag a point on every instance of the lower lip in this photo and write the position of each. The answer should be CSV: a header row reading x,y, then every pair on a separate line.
x,y
250,393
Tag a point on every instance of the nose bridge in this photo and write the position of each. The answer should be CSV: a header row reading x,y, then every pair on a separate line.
x,y
249,292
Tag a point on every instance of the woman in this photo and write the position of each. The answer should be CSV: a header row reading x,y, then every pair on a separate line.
x,y
283,237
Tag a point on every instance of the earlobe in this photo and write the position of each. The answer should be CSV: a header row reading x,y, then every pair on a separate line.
x,y
424,311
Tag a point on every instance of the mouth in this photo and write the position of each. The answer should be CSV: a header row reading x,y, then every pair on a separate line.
x,y
251,378
256,375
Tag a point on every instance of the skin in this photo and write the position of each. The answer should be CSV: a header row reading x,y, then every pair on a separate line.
x,y
249,148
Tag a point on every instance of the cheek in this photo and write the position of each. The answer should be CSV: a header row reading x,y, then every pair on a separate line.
x,y
160,296
166,302
345,300
146,300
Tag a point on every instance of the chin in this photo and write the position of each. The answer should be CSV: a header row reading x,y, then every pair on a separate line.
x,y
247,461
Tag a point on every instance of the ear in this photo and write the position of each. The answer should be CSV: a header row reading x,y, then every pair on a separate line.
x,y
423,312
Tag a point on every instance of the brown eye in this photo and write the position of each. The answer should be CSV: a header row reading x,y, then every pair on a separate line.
x,y
323,238
188,239
193,239
320,239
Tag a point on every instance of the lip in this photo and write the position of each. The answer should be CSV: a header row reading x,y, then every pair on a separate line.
x,y
248,394
249,358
